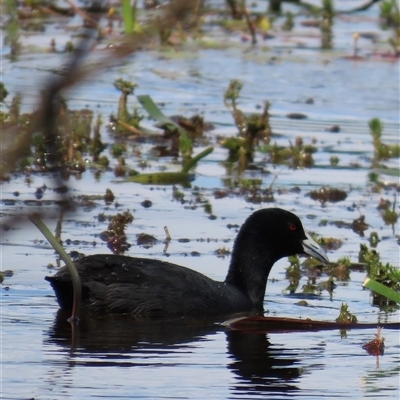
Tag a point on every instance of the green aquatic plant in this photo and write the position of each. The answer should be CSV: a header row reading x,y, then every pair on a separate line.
x,y
376,346
109,197
366,252
327,194
381,151
126,123
30,147
329,243
384,274
126,88
232,93
96,146
175,20
382,290
14,112
334,161
3,92
73,136
185,144
185,148
12,31
295,156
345,316
389,14
327,24
120,169
170,178
76,282
103,161
251,128
340,269
117,149
389,215
311,288
293,274
288,25
115,234
129,13
373,239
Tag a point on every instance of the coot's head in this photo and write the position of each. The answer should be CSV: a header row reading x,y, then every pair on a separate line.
x,y
266,236
280,233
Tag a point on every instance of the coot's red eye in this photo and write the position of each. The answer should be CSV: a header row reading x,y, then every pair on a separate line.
x,y
292,227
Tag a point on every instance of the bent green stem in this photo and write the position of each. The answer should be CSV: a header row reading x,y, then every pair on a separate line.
x,y
192,162
76,282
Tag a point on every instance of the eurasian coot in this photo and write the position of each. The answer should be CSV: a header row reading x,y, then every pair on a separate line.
x,y
152,288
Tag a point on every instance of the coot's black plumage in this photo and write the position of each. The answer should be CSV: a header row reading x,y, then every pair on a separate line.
x,y
153,288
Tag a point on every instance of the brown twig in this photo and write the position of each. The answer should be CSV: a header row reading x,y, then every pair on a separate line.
x,y
84,15
167,239
249,23
128,127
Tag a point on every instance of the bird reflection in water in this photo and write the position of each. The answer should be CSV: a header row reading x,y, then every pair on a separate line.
x,y
257,365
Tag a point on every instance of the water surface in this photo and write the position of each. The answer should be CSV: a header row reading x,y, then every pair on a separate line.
x,y
126,359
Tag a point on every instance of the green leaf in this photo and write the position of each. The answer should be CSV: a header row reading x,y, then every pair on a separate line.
x,y
148,104
382,290
191,163
161,178
129,15
185,142
388,171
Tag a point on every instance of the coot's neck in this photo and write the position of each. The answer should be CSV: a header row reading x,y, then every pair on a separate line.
x,y
248,271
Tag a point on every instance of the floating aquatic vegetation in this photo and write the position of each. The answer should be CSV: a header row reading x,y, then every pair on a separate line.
x,y
389,14
32,150
222,252
329,243
374,239
109,197
375,347
251,128
345,316
381,151
383,274
186,149
288,24
294,156
359,225
339,269
389,215
334,161
145,240
326,194
185,144
115,234
96,146
293,274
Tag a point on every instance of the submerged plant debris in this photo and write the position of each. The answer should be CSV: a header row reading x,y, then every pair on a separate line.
x,y
375,347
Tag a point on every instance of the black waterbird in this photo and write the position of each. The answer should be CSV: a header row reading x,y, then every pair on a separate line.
x,y
141,287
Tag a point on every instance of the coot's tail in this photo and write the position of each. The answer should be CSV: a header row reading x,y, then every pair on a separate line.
x,y
64,292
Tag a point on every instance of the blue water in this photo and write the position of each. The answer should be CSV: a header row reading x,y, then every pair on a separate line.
x,y
120,360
